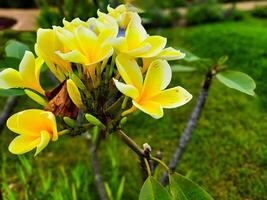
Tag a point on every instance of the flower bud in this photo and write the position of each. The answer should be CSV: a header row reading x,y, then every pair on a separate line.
x,y
93,120
70,122
36,97
74,93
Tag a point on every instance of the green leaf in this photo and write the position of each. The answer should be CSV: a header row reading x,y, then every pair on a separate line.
x,y
238,81
184,189
190,57
9,62
182,68
11,92
15,49
153,190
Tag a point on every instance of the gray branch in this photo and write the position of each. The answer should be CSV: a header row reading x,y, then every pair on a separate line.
x,y
10,104
187,134
96,168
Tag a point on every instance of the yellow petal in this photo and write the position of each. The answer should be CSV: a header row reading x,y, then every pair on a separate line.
x,y
66,37
129,71
73,56
152,108
157,44
172,98
103,52
86,39
11,78
135,34
29,72
22,144
139,51
170,54
157,78
44,140
74,93
128,90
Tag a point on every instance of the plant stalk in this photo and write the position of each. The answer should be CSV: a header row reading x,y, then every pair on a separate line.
x,y
187,134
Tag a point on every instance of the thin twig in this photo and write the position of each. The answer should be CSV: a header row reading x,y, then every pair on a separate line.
x,y
10,104
187,134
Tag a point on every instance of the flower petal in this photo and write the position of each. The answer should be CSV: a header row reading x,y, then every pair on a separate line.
x,y
135,34
11,78
86,39
172,98
152,108
73,56
29,70
74,93
157,44
157,78
170,54
129,71
44,140
139,51
128,90
22,144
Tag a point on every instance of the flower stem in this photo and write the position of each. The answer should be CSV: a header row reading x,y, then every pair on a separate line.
x,y
126,112
130,143
160,162
147,167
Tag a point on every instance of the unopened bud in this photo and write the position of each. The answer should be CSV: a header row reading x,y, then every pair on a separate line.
x,y
93,120
36,97
123,121
70,122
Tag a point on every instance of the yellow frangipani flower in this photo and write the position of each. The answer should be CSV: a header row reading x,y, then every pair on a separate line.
x,y
149,95
123,15
36,129
137,43
104,22
166,54
74,24
84,46
26,77
74,93
46,45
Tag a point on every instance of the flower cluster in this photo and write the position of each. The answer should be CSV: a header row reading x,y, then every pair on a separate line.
x,y
100,65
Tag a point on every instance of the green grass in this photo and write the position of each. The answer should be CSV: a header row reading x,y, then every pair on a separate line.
x,y
227,153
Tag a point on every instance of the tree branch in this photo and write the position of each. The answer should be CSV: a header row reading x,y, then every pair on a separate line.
x,y
10,104
187,134
96,168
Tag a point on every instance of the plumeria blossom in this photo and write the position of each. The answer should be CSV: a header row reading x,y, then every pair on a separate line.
x,y
166,54
35,128
102,23
137,43
70,26
123,15
150,95
46,45
84,46
26,77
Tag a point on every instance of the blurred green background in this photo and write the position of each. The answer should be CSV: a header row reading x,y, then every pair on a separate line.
x,y
227,154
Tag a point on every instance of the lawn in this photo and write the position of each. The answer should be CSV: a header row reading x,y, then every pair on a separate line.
x,y
227,154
